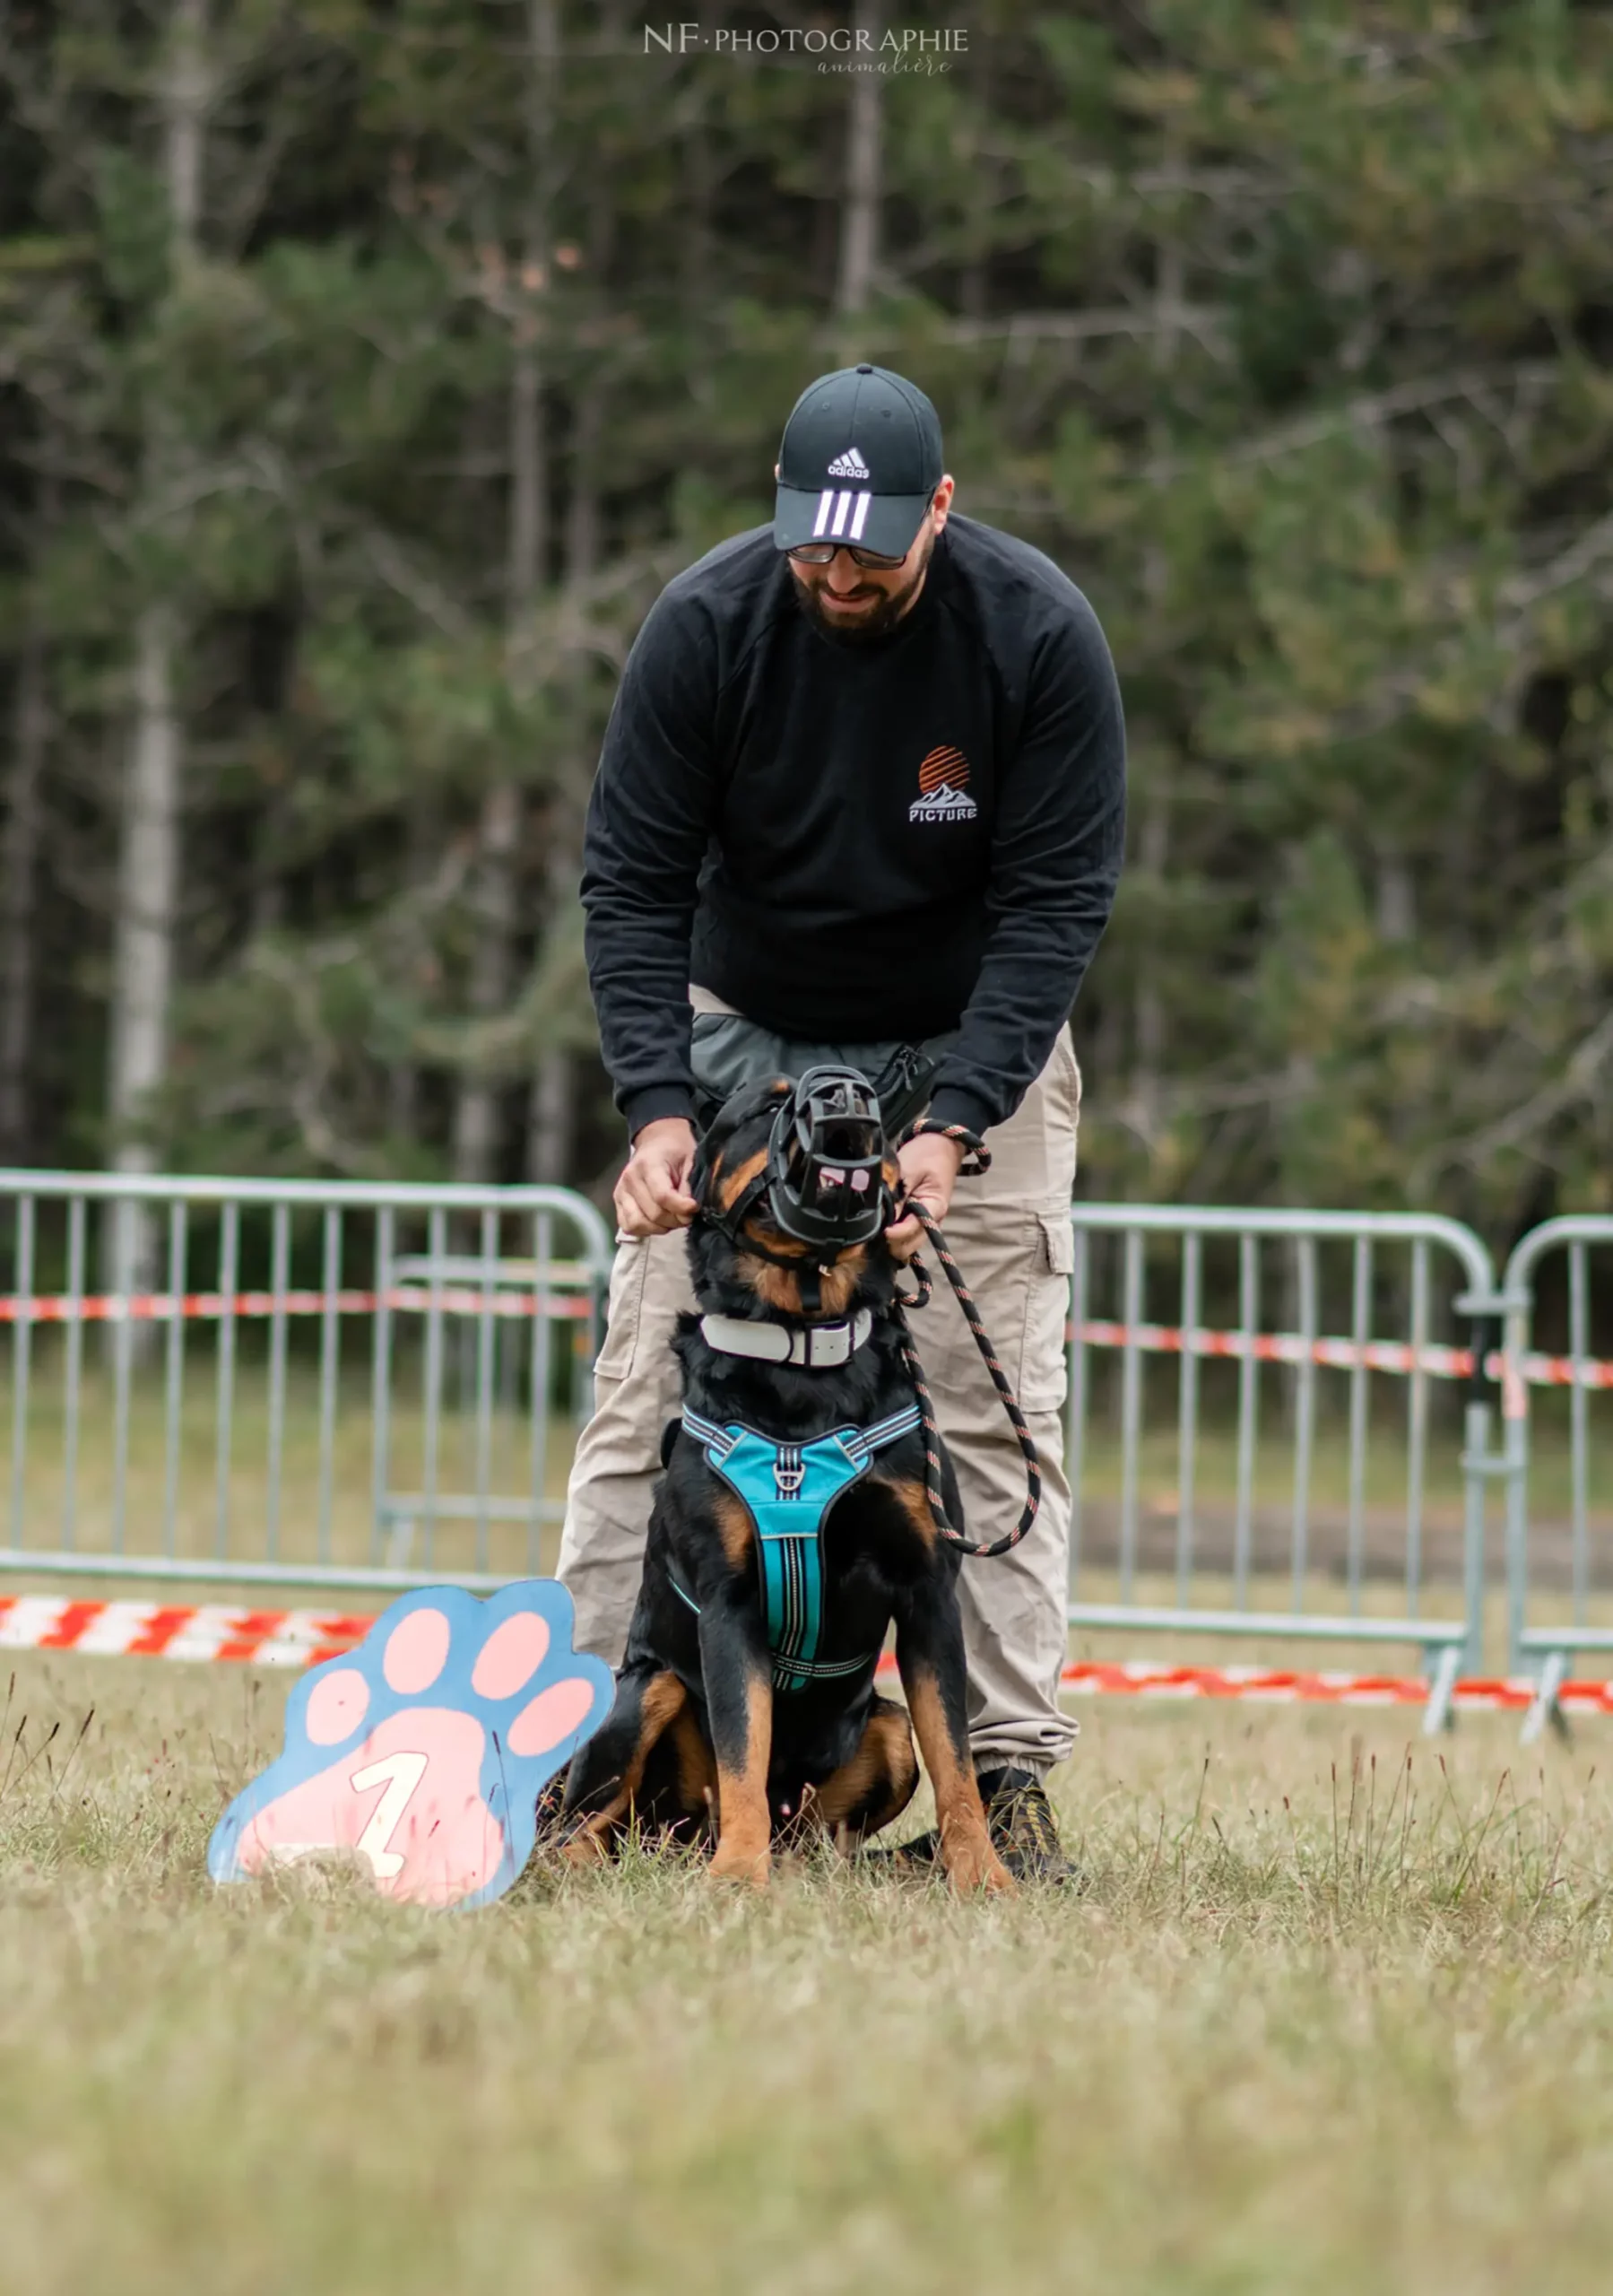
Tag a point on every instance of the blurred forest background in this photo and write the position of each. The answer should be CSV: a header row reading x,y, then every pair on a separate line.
x,y
366,369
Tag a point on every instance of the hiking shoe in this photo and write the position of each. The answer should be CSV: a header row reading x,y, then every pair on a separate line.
x,y
1024,1831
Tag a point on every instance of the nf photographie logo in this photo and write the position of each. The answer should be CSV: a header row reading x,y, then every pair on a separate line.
x,y
866,50
943,789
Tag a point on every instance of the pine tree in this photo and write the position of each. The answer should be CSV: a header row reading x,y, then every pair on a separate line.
x,y
364,376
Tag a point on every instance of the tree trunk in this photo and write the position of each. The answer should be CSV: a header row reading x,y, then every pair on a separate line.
x,y
553,1128
552,1123
860,210
145,928
1397,898
19,868
696,248
1148,1018
148,878
1154,842
974,285
142,959
528,482
552,1107
402,1074
476,1107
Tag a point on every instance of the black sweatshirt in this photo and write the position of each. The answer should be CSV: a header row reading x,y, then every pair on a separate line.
x,y
847,844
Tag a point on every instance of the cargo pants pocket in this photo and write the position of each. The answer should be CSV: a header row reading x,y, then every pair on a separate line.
x,y
624,1311
1043,1358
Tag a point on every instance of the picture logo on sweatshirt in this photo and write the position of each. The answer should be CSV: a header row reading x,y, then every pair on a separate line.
x,y
943,794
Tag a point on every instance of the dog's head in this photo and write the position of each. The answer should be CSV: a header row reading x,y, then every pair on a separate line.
x,y
796,1182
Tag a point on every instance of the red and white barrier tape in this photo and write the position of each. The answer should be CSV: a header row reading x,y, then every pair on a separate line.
x,y
212,1633
166,1307
175,1630
1398,1357
1395,1355
1145,1678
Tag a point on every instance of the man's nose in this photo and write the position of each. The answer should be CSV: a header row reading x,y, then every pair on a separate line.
x,y
844,572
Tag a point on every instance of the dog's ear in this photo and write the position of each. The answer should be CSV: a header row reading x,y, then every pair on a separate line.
x,y
739,1109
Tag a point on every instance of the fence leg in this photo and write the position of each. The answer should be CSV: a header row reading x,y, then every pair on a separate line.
x,y
1487,1308
1545,1706
1514,1423
1475,1475
1438,1714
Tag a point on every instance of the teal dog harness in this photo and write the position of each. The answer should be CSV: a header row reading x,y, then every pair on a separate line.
x,y
788,1489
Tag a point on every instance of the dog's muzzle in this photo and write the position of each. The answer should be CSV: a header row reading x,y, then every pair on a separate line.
x,y
823,1179
825,1171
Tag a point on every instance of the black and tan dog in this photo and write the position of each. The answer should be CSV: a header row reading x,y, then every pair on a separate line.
x,y
747,1692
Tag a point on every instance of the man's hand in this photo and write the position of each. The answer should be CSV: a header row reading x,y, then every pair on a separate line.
x,y
651,1196
930,1166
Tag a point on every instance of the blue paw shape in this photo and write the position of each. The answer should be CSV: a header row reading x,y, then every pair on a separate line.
x,y
424,1750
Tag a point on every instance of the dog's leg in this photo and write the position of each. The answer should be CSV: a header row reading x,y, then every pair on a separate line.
x,y
737,1669
929,1653
877,1784
697,1773
605,1775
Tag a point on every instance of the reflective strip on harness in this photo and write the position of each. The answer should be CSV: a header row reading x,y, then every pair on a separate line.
x,y
788,1489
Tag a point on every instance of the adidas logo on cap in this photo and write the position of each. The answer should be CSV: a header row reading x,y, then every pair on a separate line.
x,y
850,465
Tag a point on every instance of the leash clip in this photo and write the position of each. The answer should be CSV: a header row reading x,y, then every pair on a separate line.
x,y
789,1473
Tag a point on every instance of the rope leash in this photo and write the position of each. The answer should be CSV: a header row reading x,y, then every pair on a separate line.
x,y
976,1156
976,1160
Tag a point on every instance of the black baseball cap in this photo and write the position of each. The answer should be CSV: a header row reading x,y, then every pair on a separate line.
x,y
859,460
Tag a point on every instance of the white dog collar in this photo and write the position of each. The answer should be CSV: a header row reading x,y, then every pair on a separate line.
x,y
816,1347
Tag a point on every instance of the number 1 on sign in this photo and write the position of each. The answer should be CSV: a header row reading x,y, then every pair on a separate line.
x,y
400,1774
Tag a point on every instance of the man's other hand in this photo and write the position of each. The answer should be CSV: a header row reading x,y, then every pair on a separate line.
x,y
651,1196
930,1166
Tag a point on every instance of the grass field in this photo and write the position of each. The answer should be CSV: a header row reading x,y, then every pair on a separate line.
x,y
1317,2023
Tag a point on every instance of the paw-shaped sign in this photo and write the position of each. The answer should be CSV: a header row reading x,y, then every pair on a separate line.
x,y
424,1750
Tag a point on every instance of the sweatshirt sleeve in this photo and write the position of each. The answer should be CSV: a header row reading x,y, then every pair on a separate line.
x,y
649,823
1055,863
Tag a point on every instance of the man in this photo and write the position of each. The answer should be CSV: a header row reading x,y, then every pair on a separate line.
x,y
863,787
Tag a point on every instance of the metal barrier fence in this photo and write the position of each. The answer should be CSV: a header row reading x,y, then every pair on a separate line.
x,y
219,1434
1325,1550
1539,1559
183,1406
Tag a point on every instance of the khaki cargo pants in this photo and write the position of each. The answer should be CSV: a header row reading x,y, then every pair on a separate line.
x,y
1011,1233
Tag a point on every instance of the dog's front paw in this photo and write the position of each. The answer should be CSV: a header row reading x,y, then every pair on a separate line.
x,y
423,1751
972,1863
737,1859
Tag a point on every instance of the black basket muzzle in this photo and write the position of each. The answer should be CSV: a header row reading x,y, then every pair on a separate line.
x,y
824,1179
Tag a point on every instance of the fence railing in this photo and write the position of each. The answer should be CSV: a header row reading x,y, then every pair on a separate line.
x,y
1312,1531
1280,1421
187,1401
1550,1566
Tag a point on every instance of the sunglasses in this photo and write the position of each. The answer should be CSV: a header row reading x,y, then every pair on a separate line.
x,y
821,553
